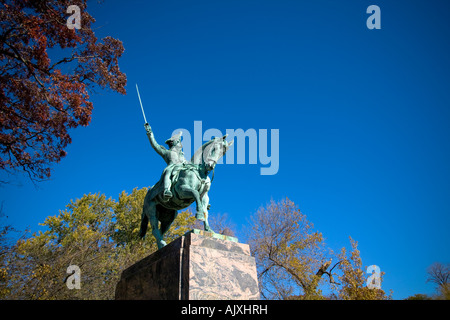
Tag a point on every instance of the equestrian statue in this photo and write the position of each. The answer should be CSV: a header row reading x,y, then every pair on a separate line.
x,y
182,182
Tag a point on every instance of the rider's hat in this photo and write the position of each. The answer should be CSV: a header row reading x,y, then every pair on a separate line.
x,y
170,142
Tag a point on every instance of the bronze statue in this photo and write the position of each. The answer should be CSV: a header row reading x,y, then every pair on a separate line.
x,y
181,184
172,157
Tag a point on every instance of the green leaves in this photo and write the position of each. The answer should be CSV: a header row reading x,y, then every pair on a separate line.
x,y
128,211
98,234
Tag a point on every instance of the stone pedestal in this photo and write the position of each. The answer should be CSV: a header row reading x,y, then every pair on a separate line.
x,y
197,266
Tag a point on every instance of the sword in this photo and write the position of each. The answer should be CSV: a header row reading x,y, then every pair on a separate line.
x,y
142,108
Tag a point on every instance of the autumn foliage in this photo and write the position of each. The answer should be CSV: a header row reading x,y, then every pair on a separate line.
x,y
47,72
100,235
293,261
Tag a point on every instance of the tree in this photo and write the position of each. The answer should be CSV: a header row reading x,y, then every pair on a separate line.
x,y
97,234
439,274
78,235
6,245
4,250
294,263
47,72
419,296
353,278
288,253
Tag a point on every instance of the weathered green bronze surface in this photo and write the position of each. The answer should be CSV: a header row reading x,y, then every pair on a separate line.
x,y
212,235
182,182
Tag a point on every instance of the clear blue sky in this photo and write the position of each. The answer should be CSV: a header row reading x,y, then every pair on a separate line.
x,y
363,117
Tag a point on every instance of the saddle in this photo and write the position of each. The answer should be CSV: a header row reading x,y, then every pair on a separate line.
x,y
185,166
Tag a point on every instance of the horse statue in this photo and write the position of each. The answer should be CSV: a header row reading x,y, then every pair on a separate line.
x,y
181,184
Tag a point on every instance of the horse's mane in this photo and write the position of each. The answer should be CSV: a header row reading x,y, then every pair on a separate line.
x,y
197,158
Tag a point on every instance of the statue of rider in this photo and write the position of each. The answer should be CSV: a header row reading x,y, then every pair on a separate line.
x,y
174,156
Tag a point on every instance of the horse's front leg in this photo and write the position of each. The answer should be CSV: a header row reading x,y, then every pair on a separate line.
x,y
186,192
205,203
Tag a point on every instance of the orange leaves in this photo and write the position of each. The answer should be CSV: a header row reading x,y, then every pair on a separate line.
x,y
39,100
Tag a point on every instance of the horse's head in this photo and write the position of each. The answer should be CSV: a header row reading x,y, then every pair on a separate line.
x,y
213,150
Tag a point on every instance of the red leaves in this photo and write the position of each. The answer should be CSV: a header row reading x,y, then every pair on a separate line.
x,y
39,101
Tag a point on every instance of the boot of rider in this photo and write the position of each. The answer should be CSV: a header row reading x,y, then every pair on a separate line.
x,y
167,193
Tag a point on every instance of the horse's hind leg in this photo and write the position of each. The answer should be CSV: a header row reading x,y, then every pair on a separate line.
x,y
155,225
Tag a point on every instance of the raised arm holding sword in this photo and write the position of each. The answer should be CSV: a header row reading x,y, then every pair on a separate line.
x,y
173,156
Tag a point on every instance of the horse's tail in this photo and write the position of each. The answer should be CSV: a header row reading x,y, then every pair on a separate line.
x,y
144,217
144,225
